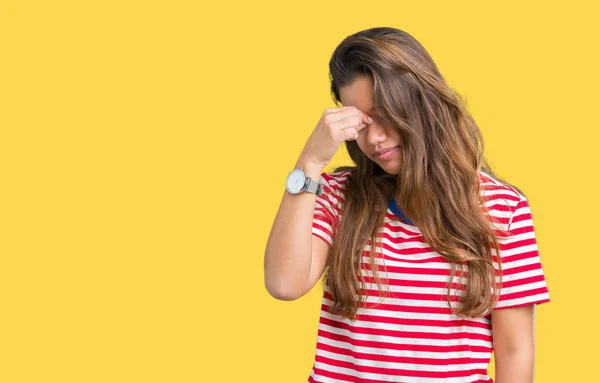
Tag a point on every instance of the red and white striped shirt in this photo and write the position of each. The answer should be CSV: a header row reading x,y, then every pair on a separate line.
x,y
413,337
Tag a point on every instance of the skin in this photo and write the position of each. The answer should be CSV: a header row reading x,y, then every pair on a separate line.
x,y
514,344
512,328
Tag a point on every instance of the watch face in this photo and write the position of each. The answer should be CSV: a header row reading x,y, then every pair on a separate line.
x,y
295,181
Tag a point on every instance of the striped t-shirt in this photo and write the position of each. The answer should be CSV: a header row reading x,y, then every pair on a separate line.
x,y
413,336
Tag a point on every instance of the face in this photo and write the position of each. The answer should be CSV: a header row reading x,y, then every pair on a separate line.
x,y
376,136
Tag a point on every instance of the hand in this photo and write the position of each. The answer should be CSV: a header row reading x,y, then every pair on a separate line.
x,y
335,126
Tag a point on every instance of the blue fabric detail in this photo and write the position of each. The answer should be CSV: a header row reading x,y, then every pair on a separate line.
x,y
397,210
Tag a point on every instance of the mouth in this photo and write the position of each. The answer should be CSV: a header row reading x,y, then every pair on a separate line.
x,y
387,153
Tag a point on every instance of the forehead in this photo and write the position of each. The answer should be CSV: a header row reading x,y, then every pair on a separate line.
x,y
359,93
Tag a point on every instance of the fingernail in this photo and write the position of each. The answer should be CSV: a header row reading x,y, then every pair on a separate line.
x,y
369,119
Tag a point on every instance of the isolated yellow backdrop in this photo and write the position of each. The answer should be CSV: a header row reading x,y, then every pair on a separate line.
x,y
145,147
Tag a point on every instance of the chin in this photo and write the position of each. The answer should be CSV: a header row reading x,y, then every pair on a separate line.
x,y
390,168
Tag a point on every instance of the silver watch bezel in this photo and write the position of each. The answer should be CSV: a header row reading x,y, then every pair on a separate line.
x,y
288,180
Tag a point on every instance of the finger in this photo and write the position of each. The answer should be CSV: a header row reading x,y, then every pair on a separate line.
x,y
337,110
353,122
363,117
350,134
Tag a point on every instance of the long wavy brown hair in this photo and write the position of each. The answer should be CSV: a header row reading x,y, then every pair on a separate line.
x,y
438,186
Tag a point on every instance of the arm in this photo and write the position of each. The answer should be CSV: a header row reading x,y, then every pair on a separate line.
x,y
288,255
514,344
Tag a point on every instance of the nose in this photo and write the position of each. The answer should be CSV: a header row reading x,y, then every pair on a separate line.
x,y
375,134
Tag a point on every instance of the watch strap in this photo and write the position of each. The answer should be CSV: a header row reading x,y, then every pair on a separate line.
x,y
314,186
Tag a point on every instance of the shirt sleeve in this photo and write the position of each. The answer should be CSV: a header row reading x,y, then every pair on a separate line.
x,y
327,208
523,280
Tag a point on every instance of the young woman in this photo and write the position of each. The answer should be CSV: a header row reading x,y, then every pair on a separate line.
x,y
430,261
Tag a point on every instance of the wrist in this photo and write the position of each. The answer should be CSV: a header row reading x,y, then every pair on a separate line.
x,y
312,169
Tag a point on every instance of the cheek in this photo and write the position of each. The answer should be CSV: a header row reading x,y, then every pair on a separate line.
x,y
361,142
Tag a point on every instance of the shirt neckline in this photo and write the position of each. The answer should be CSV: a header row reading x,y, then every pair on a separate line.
x,y
399,212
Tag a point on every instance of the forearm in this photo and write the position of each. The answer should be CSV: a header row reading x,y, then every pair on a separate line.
x,y
514,367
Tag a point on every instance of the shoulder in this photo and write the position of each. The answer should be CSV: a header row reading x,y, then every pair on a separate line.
x,y
492,188
334,186
500,200
335,180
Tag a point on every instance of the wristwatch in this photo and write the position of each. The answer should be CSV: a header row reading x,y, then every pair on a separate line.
x,y
298,182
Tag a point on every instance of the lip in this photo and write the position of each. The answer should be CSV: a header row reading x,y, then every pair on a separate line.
x,y
386,153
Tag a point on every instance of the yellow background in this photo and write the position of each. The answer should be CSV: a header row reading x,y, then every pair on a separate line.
x,y
145,147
